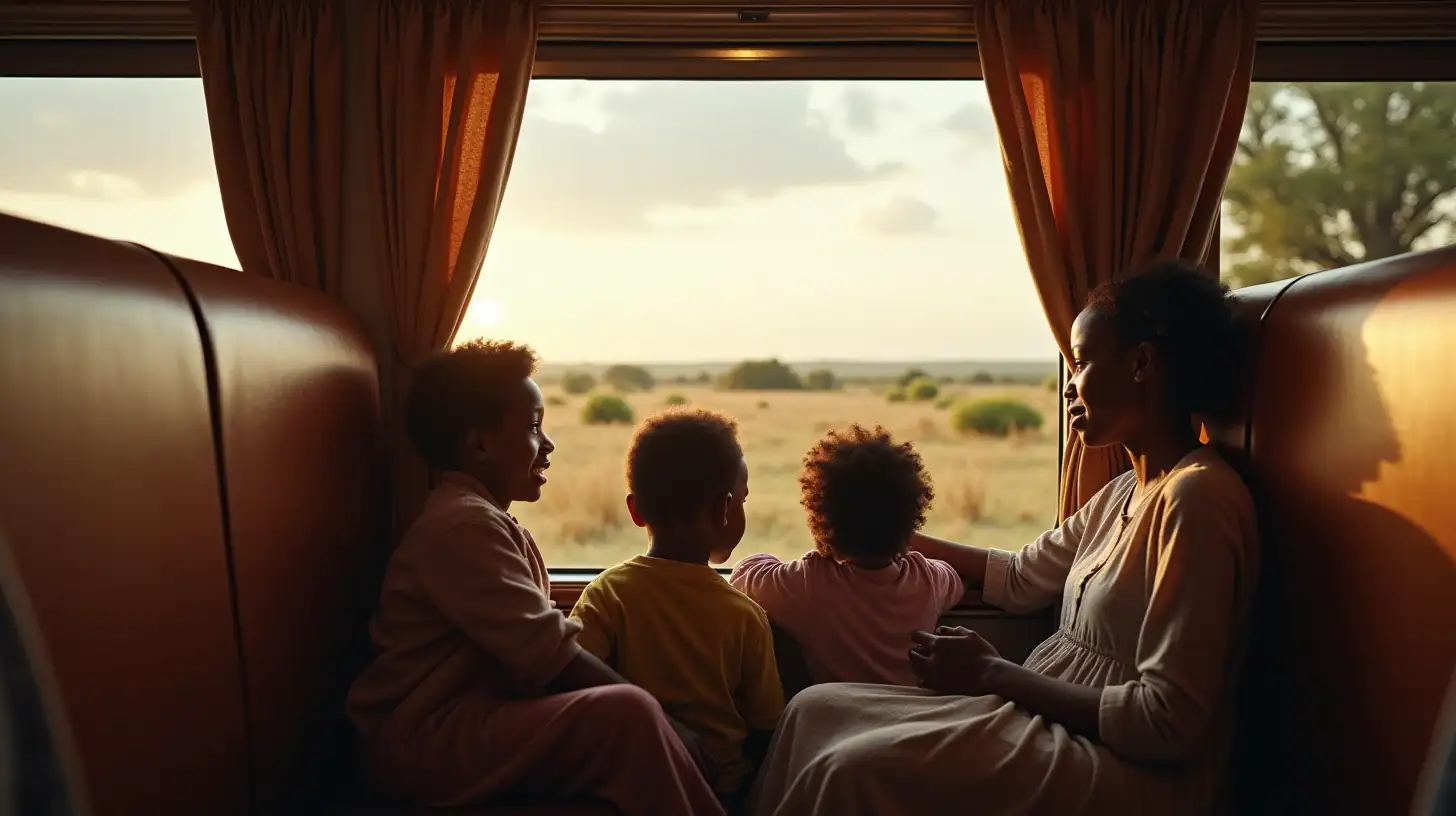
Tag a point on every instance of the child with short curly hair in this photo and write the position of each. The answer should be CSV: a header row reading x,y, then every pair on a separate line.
x,y
853,602
666,619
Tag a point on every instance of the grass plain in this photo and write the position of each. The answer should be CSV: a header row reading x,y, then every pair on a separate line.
x,y
993,492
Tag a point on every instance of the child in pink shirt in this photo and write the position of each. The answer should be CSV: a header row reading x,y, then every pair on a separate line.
x,y
853,602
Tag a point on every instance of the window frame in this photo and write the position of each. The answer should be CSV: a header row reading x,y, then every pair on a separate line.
x,y
1347,60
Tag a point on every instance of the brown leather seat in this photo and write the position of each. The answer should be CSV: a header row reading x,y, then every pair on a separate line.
x,y
1349,447
38,769
297,407
110,498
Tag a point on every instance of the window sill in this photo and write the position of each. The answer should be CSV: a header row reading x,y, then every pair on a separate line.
x,y
567,584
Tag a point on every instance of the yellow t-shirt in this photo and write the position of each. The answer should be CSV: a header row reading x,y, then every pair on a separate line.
x,y
698,645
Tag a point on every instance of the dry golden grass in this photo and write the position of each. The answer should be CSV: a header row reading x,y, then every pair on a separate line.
x,y
991,492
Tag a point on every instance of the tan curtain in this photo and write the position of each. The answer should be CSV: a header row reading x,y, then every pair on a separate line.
x,y
271,75
1118,122
447,85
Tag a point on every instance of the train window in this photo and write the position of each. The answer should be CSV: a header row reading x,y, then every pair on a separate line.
x,y
796,254
122,158
858,232
1330,174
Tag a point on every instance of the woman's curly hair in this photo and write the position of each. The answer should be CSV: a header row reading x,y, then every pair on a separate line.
x,y
1185,313
866,494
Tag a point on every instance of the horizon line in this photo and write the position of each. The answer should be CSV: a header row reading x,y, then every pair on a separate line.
x,y
817,360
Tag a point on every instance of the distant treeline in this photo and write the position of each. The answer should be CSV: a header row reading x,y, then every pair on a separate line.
x,y
772,374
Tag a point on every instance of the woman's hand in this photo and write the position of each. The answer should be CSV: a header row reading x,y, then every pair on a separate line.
x,y
954,660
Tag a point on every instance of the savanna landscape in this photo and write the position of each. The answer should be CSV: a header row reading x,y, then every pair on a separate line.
x,y
995,485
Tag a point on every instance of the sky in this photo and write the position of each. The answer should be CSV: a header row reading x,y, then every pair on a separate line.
x,y
643,221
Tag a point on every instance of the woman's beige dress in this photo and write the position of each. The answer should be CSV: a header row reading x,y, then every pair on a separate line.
x,y
1155,611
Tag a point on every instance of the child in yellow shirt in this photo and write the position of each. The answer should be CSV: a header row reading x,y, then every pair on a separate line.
x,y
667,620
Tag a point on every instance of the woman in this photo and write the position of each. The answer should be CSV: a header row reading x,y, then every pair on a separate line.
x,y
1128,708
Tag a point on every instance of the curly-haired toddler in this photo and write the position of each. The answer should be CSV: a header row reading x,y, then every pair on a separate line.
x,y
852,603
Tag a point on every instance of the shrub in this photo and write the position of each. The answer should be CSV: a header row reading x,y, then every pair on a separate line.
x,y
578,382
763,405
760,375
898,395
1050,383
922,389
910,376
982,378
606,409
703,378
996,417
555,400
821,379
677,399
628,378
944,403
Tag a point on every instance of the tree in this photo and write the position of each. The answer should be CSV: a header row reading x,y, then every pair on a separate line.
x,y
761,375
910,376
628,378
922,389
821,379
577,382
606,409
1329,174
999,416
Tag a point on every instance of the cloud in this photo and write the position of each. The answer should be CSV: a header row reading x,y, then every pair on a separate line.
x,y
646,146
104,138
974,122
861,111
677,144
901,215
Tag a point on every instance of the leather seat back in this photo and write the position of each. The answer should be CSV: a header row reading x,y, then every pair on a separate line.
x,y
1349,448
110,498
297,412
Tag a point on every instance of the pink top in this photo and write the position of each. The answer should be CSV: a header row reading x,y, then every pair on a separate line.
x,y
465,612
852,624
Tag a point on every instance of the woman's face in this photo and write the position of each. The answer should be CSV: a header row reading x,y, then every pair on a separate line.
x,y
1106,395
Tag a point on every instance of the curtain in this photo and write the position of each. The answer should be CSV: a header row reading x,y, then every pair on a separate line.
x,y
1118,123
446,89
271,75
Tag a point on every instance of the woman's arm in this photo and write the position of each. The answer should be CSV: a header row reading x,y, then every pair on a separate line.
x,y
967,560
1023,581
